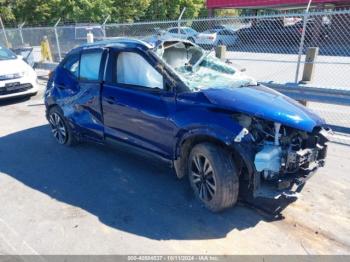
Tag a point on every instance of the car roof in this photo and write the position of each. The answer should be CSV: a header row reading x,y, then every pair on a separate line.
x,y
117,41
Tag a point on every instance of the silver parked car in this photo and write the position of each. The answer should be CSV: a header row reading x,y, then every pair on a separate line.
x,y
215,37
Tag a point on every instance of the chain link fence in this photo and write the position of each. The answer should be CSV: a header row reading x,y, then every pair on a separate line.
x,y
268,46
272,48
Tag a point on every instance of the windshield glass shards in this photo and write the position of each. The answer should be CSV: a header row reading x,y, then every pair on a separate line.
x,y
199,69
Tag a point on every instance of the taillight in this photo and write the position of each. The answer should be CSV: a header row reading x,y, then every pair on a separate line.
x,y
300,30
211,37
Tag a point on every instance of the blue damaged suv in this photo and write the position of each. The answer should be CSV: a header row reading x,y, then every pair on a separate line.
x,y
231,136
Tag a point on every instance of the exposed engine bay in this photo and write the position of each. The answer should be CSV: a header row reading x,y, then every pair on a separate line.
x,y
282,153
275,157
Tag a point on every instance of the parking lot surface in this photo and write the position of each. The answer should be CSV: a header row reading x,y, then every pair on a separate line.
x,y
330,71
92,199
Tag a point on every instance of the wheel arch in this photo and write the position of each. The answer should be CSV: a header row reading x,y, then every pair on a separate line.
x,y
188,141
49,107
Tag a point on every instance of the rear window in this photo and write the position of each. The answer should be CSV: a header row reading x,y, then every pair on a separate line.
x,y
189,30
211,31
90,65
6,54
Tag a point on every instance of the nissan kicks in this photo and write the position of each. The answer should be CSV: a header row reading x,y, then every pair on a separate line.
x,y
231,136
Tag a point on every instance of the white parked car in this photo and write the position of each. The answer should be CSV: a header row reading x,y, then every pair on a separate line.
x,y
17,78
215,37
187,33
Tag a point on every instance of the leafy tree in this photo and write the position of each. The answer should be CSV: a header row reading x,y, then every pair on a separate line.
x,y
130,10
46,12
6,11
171,9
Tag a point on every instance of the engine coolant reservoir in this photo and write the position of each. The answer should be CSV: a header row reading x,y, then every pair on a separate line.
x,y
269,158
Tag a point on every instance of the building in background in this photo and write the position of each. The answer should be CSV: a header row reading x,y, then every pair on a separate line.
x,y
278,5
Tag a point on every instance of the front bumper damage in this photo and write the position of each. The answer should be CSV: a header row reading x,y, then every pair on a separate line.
x,y
273,197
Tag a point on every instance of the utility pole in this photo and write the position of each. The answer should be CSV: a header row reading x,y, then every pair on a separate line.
x,y
3,29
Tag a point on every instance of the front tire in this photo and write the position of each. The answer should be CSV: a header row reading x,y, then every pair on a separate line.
x,y
60,128
213,176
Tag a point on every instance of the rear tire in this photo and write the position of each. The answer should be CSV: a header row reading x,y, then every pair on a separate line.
x,y
213,176
60,128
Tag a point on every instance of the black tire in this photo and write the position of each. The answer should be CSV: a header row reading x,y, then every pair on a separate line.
x,y
69,139
224,176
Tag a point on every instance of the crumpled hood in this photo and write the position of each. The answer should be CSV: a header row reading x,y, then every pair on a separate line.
x,y
263,102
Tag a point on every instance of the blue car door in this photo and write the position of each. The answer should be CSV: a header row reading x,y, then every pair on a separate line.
x,y
137,104
79,83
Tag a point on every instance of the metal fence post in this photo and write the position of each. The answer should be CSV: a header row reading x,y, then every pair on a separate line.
x,y
20,27
179,20
3,29
301,46
104,26
57,40
309,67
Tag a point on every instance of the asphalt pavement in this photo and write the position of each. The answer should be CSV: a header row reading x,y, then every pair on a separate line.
x,y
93,199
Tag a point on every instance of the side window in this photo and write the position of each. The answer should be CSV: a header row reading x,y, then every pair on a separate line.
x,y
72,64
133,69
90,65
173,31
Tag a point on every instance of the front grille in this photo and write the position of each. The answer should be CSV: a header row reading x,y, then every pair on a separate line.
x,y
19,88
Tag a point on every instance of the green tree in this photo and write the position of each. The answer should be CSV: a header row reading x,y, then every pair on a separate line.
x,y
6,11
129,10
46,12
171,9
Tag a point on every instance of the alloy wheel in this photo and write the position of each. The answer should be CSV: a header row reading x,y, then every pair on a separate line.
x,y
202,176
58,128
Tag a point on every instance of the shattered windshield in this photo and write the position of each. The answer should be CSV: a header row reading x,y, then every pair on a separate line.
x,y
200,69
